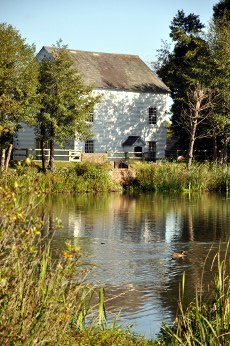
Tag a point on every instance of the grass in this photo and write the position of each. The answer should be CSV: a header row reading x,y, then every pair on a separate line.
x,y
174,177
94,177
69,178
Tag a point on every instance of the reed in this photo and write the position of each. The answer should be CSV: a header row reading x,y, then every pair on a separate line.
x,y
206,321
173,177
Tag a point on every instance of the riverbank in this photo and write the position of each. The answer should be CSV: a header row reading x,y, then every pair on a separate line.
x,y
101,177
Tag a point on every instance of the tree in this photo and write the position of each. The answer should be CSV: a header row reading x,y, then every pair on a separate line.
x,y
66,103
219,69
183,67
18,87
221,11
200,104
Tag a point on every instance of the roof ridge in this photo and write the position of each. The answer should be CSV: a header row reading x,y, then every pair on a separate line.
x,y
94,52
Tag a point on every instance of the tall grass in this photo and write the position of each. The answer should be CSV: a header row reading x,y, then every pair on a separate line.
x,y
94,177
68,178
164,177
206,321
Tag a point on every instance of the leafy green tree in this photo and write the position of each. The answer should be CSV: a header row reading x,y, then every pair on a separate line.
x,y
18,87
221,11
219,69
66,103
183,67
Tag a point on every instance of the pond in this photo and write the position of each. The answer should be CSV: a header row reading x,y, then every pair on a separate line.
x,y
130,239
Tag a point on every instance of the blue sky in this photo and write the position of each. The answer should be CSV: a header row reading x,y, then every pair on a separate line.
x,y
114,26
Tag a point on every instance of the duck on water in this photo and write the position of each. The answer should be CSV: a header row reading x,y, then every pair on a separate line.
x,y
180,254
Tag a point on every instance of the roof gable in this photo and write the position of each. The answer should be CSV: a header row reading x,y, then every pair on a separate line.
x,y
114,71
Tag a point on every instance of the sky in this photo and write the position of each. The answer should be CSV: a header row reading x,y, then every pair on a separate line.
x,y
113,26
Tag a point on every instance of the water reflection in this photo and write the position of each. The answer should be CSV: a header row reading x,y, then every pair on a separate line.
x,y
129,239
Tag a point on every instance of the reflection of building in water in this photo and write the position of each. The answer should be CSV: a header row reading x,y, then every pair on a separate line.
x,y
75,223
174,222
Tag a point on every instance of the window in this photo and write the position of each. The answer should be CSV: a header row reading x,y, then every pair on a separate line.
x,y
152,146
152,115
152,151
89,146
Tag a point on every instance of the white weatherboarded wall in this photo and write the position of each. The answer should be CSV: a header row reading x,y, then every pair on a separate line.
x,y
119,114
124,113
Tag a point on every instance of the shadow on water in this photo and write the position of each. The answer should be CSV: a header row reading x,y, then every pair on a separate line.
x,y
129,240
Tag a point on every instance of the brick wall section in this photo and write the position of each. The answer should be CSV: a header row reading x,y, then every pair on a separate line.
x,y
124,175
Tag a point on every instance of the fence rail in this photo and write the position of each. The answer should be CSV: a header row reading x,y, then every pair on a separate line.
x,y
76,155
62,154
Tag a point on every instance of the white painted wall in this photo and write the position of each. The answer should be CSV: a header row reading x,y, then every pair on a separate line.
x,y
119,115
125,113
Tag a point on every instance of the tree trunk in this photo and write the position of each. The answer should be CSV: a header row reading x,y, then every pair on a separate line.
x,y
3,156
8,155
191,144
214,148
51,162
225,151
43,155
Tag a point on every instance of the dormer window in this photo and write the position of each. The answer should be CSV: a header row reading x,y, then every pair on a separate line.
x,y
152,115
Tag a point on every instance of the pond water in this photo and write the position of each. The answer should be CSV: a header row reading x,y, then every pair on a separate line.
x,y
130,239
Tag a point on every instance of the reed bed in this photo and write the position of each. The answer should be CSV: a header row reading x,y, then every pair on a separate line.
x,y
174,177
95,177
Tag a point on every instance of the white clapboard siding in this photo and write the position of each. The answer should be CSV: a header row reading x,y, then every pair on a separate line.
x,y
124,113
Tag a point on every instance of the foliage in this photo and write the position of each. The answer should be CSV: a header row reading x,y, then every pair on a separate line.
x,y
66,101
18,83
73,178
198,59
184,66
18,80
219,45
221,11
173,177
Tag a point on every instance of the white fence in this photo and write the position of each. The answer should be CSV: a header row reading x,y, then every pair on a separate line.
x,y
76,155
59,154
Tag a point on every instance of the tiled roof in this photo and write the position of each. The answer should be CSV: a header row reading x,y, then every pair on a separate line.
x,y
115,71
